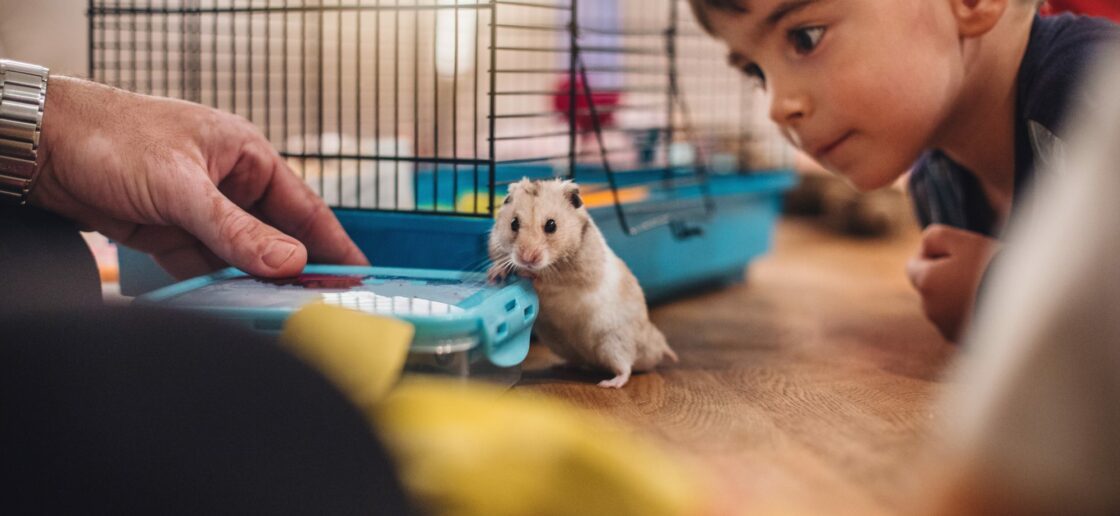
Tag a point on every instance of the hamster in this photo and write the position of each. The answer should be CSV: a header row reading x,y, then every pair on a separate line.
x,y
593,311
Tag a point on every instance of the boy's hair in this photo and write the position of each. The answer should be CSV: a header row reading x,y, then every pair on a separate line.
x,y
700,9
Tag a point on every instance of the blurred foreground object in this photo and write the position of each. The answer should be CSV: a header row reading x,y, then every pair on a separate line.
x,y
1034,425
109,410
468,449
838,205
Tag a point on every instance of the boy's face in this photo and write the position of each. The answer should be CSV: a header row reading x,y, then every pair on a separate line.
x,y
862,86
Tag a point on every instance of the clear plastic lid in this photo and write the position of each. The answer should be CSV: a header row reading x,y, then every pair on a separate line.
x,y
451,311
383,295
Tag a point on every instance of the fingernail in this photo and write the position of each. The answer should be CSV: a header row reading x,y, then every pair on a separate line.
x,y
278,254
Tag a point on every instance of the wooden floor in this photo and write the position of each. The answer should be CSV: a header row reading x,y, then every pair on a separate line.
x,y
809,388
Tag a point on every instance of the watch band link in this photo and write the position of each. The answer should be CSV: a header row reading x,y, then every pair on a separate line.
x,y
23,91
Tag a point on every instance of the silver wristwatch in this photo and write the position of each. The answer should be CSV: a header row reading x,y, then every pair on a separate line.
x,y
23,94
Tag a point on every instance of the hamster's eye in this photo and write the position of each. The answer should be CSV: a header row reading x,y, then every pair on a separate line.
x,y
515,225
550,226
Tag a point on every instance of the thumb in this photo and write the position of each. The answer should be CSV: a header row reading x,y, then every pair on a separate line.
x,y
937,241
916,270
244,241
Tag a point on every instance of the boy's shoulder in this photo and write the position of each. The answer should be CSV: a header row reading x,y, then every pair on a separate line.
x,y
1059,55
1057,62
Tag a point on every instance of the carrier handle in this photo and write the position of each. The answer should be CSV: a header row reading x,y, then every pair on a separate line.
x,y
505,334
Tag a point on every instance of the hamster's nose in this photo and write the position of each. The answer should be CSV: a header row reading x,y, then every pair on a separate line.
x,y
530,257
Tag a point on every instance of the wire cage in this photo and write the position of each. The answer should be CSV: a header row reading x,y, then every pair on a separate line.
x,y
431,106
411,117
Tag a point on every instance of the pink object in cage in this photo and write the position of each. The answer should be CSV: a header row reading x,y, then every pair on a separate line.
x,y
605,105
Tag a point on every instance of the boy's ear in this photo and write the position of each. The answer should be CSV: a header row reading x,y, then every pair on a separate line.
x,y
977,17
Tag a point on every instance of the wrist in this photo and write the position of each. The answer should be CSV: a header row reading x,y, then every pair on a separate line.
x,y
48,140
62,125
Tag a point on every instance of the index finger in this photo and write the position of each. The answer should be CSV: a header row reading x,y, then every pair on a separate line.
x,y
291,206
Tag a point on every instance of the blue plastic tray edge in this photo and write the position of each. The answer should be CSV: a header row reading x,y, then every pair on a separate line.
x,y
502,321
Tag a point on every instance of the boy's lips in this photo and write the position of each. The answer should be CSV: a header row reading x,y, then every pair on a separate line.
x,y
822,151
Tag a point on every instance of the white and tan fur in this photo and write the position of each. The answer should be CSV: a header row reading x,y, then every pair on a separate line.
x,y
593,312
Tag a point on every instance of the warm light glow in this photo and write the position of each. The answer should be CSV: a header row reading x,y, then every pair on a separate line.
x,y
446,41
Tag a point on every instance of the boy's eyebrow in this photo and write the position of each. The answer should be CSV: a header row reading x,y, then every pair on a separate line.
x,y
781,11
767,25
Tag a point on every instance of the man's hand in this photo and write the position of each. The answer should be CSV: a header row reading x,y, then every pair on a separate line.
x,y
946,272
181,181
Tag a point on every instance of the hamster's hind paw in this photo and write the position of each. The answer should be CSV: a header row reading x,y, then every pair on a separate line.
x,y
617,382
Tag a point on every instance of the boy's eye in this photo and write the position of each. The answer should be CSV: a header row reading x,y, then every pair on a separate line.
x,y
806,39
754,72
515,225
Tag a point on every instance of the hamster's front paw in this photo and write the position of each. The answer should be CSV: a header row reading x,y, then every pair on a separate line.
x,y
496,274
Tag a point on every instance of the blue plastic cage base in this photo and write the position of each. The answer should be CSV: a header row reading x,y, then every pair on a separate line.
x,y
717,252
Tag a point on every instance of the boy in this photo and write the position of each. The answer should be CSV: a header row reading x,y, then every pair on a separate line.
x,y
967,93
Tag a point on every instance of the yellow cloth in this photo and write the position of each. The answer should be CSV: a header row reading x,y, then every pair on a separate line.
x,y
362,354
469,449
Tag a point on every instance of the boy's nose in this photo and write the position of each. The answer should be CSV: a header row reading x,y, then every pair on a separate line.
x,y
788,110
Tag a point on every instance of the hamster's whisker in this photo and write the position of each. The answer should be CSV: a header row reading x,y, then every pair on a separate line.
x,y
477,266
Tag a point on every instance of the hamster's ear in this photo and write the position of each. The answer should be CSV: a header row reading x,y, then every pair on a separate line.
x,y
571,191
515,188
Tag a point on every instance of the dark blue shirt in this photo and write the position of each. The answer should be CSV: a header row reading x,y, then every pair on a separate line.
x,y
1059,55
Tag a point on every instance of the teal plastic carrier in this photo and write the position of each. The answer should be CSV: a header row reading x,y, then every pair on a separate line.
x,y
464,326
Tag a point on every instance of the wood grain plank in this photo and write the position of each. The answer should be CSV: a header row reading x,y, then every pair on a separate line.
x,y
810,387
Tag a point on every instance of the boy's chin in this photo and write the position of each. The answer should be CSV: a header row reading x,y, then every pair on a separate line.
x,y
868,180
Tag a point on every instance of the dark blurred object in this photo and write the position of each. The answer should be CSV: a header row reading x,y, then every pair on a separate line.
x,y
806,198
44,262
137,411
846,210
646,141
